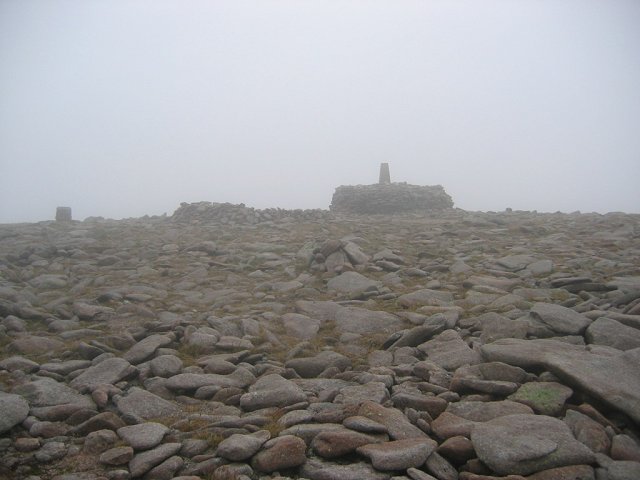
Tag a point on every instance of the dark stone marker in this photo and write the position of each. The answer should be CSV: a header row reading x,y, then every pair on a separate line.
x,y
63,214
385,176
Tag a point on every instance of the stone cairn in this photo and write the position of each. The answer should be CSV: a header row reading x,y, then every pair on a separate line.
x,y
227,213
386,197
63,214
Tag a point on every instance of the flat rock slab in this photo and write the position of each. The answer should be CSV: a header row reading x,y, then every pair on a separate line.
x,y
578,368
145,405
423,297
34,345
336,443
485,411
272,391
525,444
363,321
143,436
609,332
352,283
373,391
145,348
317,469
109,371
46,392
240,378
449,351
399,454
560,319
300,326
14,410
396,423
311,367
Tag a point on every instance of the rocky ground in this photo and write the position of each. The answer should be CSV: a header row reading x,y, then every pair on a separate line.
x,y
229,343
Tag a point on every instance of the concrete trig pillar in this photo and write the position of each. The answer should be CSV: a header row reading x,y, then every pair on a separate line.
x,y
385,177
63,214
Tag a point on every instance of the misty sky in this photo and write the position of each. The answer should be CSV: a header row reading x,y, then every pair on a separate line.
x,y
125,108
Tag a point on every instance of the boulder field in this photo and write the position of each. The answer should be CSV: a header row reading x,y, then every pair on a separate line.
x,y
231,343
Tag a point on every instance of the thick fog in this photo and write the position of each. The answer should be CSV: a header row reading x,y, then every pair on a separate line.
x,y
125,108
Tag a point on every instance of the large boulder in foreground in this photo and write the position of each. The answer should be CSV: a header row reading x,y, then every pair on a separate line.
x,y
524,444
614,380
389,198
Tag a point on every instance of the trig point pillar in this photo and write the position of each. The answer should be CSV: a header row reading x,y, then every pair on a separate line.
x,y
63,214
385,177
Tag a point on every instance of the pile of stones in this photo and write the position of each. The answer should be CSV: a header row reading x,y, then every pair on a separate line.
x,y
462,345
201,213
387,198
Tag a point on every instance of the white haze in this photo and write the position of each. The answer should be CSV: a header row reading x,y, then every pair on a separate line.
x,y
128,107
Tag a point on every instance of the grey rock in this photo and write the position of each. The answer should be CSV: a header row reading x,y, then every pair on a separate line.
x,y
271,391
283,452
420,334
355,255
318,469
322,310
17,362
105,420
14,410
165,366
396,423
142,462
145,348
560,319
609,332
311,367
109,371
239,378
525,444
363,321
308,431
65,368
364,424
141,404
144,435
485,411
98,441
440,467
623,447
588,431
35,345
399,454
117,456
238,448
623,470
166,470
51,451
352,283
300,326
336,443
425,297
373,391
449,351
46,392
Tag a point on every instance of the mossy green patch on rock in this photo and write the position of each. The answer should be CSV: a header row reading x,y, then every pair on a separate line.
x,y
546,398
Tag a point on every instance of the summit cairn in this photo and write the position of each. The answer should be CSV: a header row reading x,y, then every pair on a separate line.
x,y
386,197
